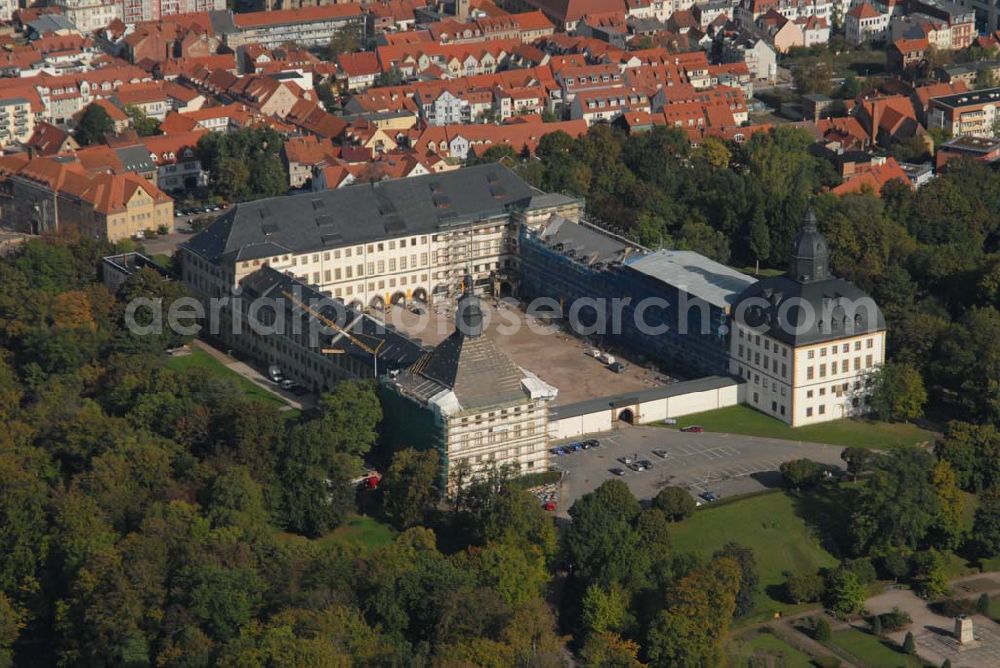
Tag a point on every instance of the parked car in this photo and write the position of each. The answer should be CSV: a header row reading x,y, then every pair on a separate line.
x,y
662,454
617,367
617,471
558,452
645,464
693,429
592,443
626,460
575,446
709,496
550,506
287,384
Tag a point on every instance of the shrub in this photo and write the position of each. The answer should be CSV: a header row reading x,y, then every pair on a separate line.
x,y
163,229
897,620
877,625
953,607
822,632
862,568
983,604
805,588
909,646
827,662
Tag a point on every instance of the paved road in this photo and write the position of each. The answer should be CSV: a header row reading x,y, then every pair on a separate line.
x,y
166,244
256,377
727,464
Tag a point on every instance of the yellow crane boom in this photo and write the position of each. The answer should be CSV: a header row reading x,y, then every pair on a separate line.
x,y
337,328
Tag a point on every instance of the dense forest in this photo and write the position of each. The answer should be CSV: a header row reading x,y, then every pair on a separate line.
x,y
156,515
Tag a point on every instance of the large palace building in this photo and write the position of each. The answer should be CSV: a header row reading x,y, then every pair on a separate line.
x,y
369,246
806,342
804,345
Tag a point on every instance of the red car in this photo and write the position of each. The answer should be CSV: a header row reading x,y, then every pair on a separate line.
x,y
693,429
550,506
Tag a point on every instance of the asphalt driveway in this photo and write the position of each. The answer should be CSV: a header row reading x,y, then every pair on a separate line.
x,y
726,464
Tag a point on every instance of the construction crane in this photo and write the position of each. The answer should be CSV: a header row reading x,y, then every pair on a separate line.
x,y
337,328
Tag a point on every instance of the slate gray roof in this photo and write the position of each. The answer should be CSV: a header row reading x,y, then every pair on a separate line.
x,y
476,370
781,308
222,21
472,367
395,350
582,242
50,23
362,213
135,158
695,274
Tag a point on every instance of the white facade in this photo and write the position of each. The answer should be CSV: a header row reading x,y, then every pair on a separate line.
x,y
90,15
17,123
866,26
806,384
7,9
515,434
644,411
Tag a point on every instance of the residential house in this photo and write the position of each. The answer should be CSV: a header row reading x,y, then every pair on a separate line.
x,y
760,58
888,118
89,15
985,149
906,54
970,113
178,168
301,154
605,106
565,14
48,139
357,71
17,122
306,26
51,193
961,20
872,176
864,23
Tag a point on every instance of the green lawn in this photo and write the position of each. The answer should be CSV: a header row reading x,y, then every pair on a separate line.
x,y
864,433
994,611
768,646
857,61
873,652
361,531
770,525
199,359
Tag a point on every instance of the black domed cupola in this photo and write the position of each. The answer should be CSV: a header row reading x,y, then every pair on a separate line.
x,y
810,256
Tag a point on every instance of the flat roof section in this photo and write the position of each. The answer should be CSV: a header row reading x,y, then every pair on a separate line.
x,y
630,398
695,274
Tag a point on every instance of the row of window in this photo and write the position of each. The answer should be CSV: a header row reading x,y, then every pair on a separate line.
x,y
769,345
478,439
843,348
845,367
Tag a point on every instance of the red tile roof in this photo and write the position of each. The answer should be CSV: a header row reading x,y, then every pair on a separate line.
x,y
864,11
874,177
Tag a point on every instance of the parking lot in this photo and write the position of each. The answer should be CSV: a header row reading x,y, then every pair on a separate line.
x,y
725,464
